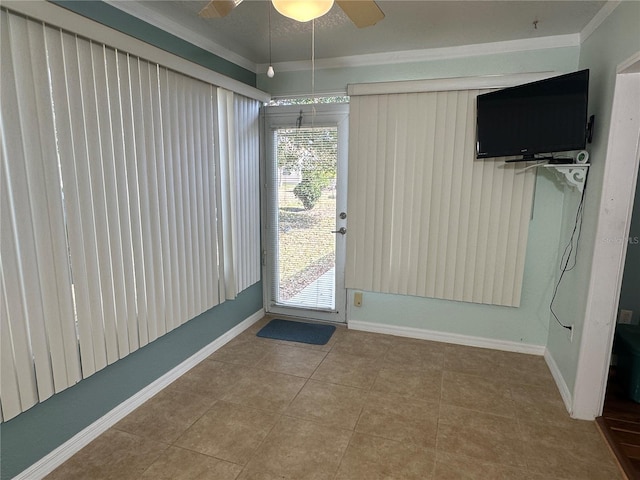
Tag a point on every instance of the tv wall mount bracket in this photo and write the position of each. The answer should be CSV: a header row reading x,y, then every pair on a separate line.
x,y
573,174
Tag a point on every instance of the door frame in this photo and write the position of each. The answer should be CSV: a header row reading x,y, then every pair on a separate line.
x,y
326,114
614,221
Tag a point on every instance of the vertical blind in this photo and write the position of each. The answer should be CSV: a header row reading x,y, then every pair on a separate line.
x,y
426,218
247,192
111,217
238,147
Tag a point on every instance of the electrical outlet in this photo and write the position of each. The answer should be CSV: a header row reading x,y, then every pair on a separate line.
x,y
357,299
626,316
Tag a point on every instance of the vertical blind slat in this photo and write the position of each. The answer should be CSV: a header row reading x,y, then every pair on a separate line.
x,y
241,194
184,188
466,150
128,82
114,190
177,130
157,200
213,196
423,207
147,208
127,331
414,165
386,226
194,145
200,157
103,197
210,246
164,202
169,244
187,190
203,196
145,255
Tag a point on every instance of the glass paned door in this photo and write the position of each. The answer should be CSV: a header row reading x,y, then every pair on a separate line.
x,y
306,217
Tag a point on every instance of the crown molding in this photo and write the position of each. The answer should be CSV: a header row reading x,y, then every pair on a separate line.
x,y
599,17
415,56
447,84
146,14
630,65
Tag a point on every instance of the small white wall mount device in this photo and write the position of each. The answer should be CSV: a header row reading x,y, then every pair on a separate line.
x,y
582,157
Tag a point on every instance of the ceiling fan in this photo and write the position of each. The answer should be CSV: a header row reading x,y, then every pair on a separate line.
x,y
363,13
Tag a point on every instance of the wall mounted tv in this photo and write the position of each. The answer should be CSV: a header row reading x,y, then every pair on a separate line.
x,y
542,117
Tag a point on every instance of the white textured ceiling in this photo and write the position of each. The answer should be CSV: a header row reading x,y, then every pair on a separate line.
x,y
408,25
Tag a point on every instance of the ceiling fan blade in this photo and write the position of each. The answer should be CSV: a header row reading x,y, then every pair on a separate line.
x,y
218,8
363,13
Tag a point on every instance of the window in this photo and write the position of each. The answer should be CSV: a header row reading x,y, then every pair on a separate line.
x,y
115,213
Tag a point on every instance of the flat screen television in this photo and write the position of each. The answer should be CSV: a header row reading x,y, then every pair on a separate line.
x,y
542,117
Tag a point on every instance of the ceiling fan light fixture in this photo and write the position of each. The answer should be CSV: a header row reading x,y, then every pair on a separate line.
x,y
302,10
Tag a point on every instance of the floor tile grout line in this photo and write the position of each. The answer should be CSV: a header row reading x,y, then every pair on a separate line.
x,y
203,454
257,449
344,453
154,462
527,461
439,412
326,354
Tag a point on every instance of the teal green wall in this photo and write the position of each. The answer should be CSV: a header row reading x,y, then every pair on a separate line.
x,y
33,434
123,22
336,79
630,294
614,41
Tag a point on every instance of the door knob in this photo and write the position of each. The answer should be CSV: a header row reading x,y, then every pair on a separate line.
x,y
342,231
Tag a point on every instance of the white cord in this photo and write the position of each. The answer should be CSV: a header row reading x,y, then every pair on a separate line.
x,y
313,71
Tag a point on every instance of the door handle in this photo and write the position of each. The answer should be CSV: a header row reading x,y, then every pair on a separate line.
x,y
341,231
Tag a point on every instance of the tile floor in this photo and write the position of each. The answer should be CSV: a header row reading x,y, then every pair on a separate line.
x,y
365,406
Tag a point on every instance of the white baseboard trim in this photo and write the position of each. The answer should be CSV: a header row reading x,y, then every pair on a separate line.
x,y
57,457
446,337
565,393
